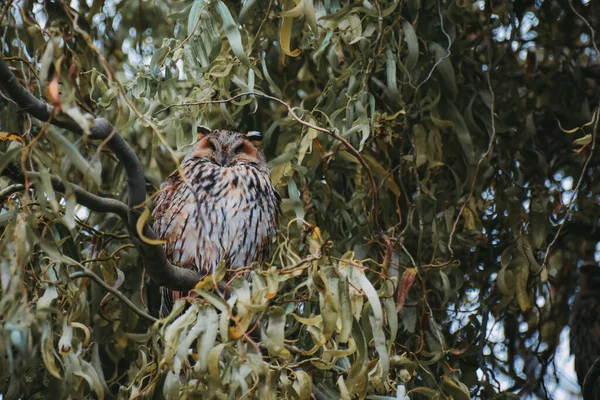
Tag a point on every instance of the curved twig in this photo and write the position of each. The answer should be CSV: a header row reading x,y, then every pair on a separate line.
x,y
575,191
10,190
479,163
115,292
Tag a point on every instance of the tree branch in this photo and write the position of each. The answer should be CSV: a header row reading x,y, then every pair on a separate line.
x,y
28,102
153,256
82,196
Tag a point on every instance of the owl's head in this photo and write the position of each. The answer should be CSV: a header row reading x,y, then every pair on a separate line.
x,y
228,149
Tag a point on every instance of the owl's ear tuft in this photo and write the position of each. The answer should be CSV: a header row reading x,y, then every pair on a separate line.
x,y
254,137
202,131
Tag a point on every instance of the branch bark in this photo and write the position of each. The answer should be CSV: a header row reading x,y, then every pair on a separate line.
x,y
82,196
153,256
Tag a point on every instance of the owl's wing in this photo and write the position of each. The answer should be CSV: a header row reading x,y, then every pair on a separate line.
x,y
175,221
173,213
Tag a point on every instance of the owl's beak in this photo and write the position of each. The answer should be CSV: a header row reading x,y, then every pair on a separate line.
x,y
223,159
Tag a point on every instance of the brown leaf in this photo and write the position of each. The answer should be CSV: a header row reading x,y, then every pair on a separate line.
x,y
54,93
406,282
11,136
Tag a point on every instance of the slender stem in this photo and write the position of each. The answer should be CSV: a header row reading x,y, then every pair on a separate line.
x,y
588,389
115,292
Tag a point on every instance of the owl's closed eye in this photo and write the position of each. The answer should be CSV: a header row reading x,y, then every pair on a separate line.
x,y
226,149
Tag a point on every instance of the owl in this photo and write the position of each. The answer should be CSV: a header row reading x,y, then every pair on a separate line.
x,y
585,325
225,209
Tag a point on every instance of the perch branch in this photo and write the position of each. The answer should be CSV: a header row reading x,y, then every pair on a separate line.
x,y
153,256
115,292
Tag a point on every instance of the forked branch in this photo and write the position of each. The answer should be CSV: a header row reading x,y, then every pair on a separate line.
x,y
153,256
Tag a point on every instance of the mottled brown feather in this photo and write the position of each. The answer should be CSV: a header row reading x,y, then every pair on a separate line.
x,y
225,209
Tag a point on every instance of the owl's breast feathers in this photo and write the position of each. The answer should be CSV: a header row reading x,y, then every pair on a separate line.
x,y
216,213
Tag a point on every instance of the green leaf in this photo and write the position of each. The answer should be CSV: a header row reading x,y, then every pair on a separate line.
x,y
247,10
156,64
90,171
274,334
8,156
233,33
445,68
194,15
413,45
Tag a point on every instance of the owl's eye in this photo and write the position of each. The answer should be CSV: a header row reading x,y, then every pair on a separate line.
x,y
240,148
209,144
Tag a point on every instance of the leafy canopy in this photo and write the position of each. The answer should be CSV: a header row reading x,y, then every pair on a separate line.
x,y
439,183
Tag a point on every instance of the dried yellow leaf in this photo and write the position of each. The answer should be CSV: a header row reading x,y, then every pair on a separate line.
x,y
11,136
285,34
140,229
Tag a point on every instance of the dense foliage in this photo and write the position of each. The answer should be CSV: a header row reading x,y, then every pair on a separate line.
x,y
439,183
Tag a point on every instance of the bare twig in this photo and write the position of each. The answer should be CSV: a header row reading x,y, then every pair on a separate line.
x,y
575,190
262,23
587,160
448,52
115,292
5,10
585,21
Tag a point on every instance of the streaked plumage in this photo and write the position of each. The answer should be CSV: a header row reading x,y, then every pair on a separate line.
x,y
227,210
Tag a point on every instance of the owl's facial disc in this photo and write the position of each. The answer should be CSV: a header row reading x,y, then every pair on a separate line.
x,y
228,149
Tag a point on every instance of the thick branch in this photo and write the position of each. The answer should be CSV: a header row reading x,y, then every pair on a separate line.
x,y
82,196
136,182
28,102
153,257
